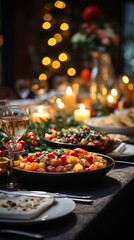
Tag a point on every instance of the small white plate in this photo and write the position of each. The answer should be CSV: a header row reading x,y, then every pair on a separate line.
x,y
23,207
60,208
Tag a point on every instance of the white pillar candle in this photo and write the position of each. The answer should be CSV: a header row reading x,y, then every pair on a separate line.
x,y
82,114
41,114
69,100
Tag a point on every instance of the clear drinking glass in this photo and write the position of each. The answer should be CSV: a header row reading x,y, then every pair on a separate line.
x,y
15,122
39,87
23,87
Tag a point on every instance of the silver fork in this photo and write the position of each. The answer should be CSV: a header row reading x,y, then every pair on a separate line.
x,y
61,195
77,198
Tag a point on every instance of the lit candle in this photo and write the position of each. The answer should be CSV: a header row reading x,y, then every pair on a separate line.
x,y
81,114
69,100
41,114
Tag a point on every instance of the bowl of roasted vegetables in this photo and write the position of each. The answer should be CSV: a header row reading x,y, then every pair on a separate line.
x,y
62,166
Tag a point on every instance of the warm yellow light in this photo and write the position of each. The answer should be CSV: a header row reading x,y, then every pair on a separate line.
x,y
47,17
63,57
104,91
58,100
75,87
46,61
64,26
130,86
125,79
56,64
110,99
82,107
71,71
60,103
114,92
46,25
60,4
69,91
51,41
42,77
58,37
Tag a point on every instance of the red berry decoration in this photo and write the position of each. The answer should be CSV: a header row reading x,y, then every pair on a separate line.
x,y
91,13
85,74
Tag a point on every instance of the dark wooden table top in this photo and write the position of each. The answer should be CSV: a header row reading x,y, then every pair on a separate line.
x,y
112,199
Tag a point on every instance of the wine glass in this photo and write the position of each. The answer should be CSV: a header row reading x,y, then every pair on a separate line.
x,y
15,122
23,87
39,87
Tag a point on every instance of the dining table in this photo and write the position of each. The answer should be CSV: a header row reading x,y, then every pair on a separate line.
x,y
109,215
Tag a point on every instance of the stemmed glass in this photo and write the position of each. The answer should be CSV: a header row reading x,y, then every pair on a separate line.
x,y
23,87
39,88
14,123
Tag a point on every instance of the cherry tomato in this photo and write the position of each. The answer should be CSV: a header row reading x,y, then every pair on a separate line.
x,y
2,152
38,154
23,143
34,143
29,134
73,153
32,138
51,155
30,158
90,159
19,146
63,158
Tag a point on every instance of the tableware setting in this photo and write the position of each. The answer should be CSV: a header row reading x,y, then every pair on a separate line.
x,y
54,208
124,152
14,123
62,167
16,232
19,206
82,136
43,194
119,122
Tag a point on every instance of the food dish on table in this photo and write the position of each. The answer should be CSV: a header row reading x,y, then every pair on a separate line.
x,y
60,208
82,136
121,122
63,166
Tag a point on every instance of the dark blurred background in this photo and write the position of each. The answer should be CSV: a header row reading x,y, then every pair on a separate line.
x,y
23,41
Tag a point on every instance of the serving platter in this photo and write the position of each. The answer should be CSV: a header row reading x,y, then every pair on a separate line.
x,y
54,179
111,146
92,123
118,123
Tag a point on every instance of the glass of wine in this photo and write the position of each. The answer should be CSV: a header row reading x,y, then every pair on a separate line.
x,y
39,88
14,123
23,87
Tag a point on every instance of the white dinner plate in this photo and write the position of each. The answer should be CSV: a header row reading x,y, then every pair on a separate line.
x,y
60,208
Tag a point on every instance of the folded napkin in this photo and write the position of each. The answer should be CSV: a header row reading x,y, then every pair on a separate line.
x,y
118,151
23,207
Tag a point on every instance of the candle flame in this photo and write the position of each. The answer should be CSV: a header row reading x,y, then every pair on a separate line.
x,y
69,91
40,110
82,107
